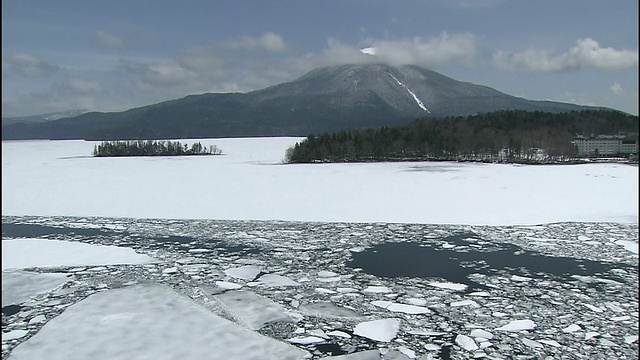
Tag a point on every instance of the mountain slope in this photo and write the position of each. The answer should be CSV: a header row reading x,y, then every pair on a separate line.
x,y
324,100
42,118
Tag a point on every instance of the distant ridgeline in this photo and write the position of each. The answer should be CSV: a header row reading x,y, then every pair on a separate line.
x,y
504,136
152,148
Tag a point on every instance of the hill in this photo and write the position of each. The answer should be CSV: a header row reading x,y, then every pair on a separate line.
x,y
42,117
323,100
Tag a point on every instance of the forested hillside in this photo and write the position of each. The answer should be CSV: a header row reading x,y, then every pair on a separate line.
x,y
502,136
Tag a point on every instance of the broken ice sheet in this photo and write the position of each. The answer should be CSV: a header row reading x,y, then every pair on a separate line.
x,y
518,325
402,308
247,272
327,309
383,330
466,342
340,302
251,309
275,280
48,253
146,322
20,286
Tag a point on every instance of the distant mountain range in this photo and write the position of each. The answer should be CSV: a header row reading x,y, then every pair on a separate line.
x,y
42,118
324,100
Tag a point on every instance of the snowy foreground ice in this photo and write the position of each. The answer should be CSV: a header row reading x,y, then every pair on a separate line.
x,y
219,289
241,257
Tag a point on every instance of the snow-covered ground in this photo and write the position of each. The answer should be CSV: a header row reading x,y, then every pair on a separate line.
x,y
182,258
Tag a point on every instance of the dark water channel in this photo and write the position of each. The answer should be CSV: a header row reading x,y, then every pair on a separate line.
x,y
124,238
34,231
429,260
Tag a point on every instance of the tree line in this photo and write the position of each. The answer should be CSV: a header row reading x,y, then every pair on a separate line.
x,y
152,148
502,136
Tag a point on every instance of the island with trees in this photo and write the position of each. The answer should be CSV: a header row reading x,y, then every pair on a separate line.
x,y
152,148
511,136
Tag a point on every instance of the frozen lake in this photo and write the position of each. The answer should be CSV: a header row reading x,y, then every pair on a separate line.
x,y
244,257
249,182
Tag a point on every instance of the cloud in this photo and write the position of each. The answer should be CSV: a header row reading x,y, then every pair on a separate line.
x,y
81,86
107,39
432,52
30,66
587,53
157,74
205,61
269,41
63,95
616,88
335,53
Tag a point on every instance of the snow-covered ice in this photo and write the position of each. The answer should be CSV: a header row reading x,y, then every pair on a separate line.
x,y
379,330
246,249
247,272
249,182
19,286
45,253
402,308
518,325
250,309
466,342
150,322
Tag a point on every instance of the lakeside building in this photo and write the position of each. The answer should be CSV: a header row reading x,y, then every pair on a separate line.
x,y
606,145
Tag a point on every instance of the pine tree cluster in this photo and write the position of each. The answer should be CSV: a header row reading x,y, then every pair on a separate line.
x,y
503,136
152,148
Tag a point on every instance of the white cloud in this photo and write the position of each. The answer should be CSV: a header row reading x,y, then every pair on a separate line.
x,y
159,74
109,40
616,88
369,50
30,66
587,53
63,95
432,52
269,41
84,86
338,52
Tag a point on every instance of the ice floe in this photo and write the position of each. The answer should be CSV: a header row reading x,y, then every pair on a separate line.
x,y
247,272
383,330
402,308
466,342
518,325
20,286
149,321
51,253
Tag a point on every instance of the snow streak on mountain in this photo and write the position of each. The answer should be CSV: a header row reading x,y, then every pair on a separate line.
x,y
420,103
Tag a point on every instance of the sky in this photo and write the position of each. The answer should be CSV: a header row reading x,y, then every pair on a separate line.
x,y
116,55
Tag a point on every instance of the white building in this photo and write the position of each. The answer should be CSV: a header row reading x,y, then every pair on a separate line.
x,y
606,145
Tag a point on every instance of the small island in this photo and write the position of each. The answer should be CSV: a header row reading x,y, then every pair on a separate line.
x,y
152,148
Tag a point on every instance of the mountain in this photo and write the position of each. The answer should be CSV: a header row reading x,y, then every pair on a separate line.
x,y
43,117
323,100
